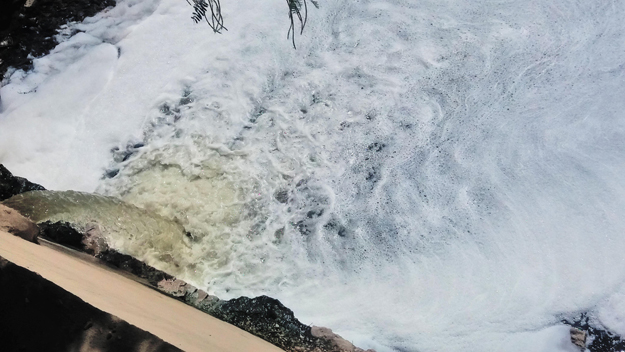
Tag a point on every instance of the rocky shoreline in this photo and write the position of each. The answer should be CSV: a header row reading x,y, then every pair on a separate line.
x,y
262,316
590,335
28,28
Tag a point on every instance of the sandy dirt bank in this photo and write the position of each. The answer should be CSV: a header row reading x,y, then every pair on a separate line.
x,y
171,320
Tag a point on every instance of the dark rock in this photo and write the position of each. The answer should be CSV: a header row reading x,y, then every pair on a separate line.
x,y
111,173
121,155
61,233
11,185
335,226
314,213
597,337
9,8
262,316
376,147
31,30
185,101
303,227
279,234
134,266
282,196
65,234
44,325
269,319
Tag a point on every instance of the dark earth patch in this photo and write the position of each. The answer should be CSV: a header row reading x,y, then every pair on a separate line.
x,y
31,30
11,185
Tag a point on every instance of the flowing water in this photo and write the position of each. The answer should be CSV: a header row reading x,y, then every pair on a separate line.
x,y
417,175
142,234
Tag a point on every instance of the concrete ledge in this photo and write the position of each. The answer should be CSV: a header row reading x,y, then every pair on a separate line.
x,y
178,324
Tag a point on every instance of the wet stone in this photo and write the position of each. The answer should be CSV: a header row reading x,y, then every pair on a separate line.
x,y
111,173
376,147
62,233
279,233
591,336
282,196
14,223
578,337
185,101
93,240
11,185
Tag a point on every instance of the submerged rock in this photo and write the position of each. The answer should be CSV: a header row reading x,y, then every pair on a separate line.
x,y
590,335
14,223
62,233
11,185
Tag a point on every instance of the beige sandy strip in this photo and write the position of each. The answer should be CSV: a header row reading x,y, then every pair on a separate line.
x,y
182,326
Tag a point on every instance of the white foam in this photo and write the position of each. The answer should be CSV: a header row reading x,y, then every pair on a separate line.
x,y
416,175
610,312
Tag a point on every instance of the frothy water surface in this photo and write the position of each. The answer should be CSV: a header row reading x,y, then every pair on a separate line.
x,y
432,175
140,233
